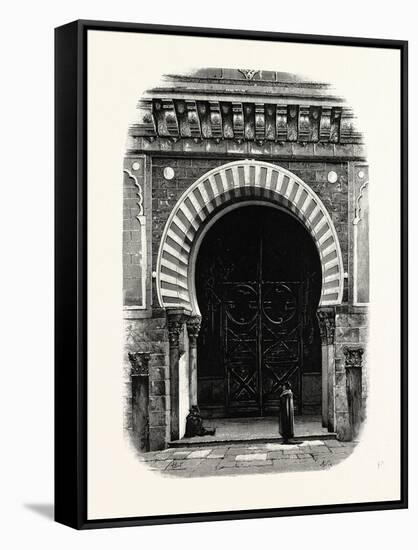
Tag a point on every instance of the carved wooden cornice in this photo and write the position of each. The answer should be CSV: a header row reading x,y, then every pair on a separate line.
x,y
236,120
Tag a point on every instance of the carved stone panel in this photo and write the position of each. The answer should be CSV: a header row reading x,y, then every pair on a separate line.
x,y
353,356
325,124
238,120
361,266
281,122
334,135
134,248
292,122
304,123
139,363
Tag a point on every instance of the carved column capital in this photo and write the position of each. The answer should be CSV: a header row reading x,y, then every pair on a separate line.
x,y
175,321
139,363
353,356
175,326
326,320
193,328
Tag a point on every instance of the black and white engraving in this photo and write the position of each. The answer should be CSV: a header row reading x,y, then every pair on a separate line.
x,y
245,274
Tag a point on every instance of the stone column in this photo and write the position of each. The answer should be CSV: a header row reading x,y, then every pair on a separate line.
x,y
140,398
193,327
175,323
353,372
326,319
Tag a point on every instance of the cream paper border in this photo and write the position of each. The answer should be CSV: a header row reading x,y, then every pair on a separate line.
x,y
120,67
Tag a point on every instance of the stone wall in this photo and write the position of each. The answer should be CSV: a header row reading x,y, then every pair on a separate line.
x,y
150,336
351,331
147,331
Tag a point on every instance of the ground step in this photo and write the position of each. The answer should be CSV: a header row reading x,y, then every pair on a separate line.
x,y
212,441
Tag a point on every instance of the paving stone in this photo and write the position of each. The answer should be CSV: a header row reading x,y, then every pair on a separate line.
x,y
290,447
282,461
333,443
341,450
274,446
192,464
285,465
179,455
216,453
207,467
248,464
234,451
160,464
275,454
302,467
325,461
184,464
240,459
230,471
321,450
149,457
251,457
178,473
312,443
225,463
306,450
163,456
199,454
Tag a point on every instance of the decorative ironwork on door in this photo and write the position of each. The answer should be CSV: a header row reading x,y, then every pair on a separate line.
x,y
262,343
256,304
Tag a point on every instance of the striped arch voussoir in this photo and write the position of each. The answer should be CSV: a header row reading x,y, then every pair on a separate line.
x,y
241,180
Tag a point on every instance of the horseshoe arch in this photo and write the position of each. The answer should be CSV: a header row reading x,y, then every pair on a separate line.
x,y
245,181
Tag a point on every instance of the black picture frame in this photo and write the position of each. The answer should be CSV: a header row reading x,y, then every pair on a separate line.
x,y
71,272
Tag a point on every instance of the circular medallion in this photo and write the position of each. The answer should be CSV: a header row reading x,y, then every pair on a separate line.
x,y
332,176
168,173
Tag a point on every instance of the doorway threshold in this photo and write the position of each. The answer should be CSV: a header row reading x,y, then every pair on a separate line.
x,y
255,430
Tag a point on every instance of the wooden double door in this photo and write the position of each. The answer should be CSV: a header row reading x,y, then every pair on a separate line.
x,y
261,343
257,286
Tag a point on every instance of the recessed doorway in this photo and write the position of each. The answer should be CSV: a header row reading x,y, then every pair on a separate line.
x,y
258,285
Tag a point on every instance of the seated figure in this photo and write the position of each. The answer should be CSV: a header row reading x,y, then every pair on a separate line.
x,y
194,424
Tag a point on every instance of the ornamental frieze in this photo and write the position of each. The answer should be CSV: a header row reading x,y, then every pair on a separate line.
x,y
234,120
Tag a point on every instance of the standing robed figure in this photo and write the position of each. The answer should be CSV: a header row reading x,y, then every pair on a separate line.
x,y
286,413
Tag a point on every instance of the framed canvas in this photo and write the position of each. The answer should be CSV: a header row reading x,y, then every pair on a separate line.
x,y
231,274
